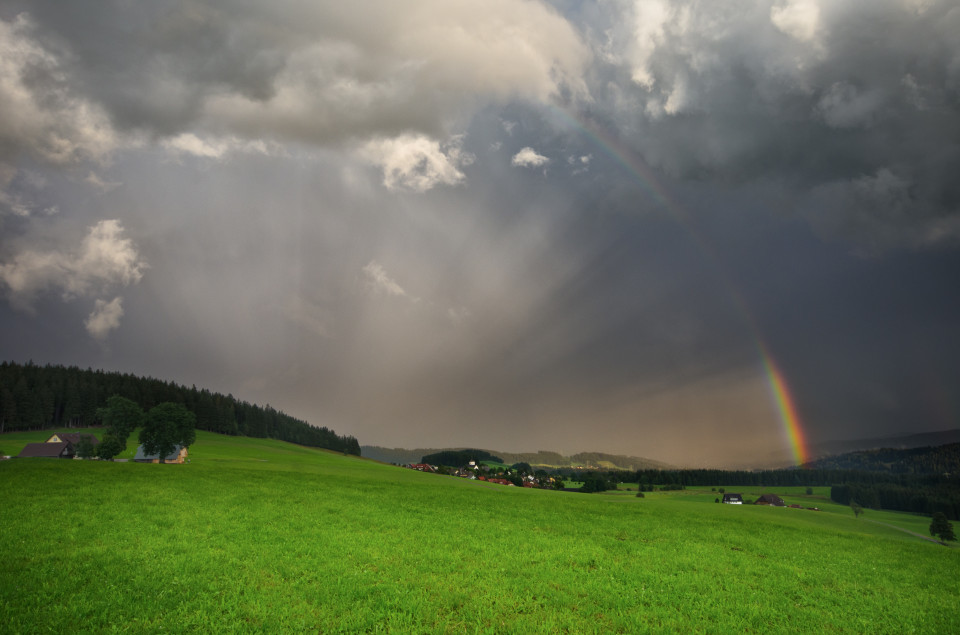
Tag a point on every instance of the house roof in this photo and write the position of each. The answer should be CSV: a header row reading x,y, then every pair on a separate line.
x,y
732,497
51,450
73,437
771,499
141,456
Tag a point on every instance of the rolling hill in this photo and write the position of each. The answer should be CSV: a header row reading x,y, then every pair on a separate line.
x,y
262,535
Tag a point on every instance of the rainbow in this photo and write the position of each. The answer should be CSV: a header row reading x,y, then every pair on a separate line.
x,y
786,407
625,156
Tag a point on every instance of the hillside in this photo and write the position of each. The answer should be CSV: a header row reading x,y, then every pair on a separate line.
x,y
541,459
261,535
826,449
45,397
944,459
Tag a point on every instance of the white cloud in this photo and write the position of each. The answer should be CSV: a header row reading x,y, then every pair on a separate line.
x,y
799,19
579,164
648,27
211,148
528,158
417,162
380,282
104,318
104,259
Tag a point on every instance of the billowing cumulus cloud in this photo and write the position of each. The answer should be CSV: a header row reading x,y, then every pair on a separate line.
x,y
44,114
529,158
104,259
316,72
417,162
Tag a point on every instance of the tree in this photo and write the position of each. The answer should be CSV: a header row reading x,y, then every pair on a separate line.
x,y
809,491
594,484
110,446
942,528
121,416
166,426
857,510
85,447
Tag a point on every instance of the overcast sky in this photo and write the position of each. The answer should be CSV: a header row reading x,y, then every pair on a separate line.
x,y
510,224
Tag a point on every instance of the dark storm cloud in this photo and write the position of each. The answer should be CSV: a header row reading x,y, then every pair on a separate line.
x,y
854,105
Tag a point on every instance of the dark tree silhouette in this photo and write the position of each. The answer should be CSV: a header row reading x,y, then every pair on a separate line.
x,y
166,426
942,528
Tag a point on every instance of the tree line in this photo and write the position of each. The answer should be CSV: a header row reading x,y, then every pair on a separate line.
x,y
34,397
785,477
920,498
903,491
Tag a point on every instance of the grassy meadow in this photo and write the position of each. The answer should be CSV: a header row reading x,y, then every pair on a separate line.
x,y
260,535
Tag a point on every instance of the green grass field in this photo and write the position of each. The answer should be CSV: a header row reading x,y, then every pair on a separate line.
x,y
258,535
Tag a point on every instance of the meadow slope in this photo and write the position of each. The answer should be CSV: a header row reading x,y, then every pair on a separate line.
x,y
257,535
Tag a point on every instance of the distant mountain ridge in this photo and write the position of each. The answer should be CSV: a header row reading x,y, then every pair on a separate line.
x,y
542,458
826,449
545,458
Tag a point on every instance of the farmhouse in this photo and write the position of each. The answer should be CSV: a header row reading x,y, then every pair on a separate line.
x,y
733,499
53,450
772,500
178,455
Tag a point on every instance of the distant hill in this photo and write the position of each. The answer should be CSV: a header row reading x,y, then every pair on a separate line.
x,y
943,459
542,458
36,397
827,449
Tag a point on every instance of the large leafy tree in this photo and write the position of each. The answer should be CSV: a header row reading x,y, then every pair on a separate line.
x,y
166,426
121,416
942,528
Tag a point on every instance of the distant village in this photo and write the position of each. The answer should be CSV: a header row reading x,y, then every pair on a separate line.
x,y
494,474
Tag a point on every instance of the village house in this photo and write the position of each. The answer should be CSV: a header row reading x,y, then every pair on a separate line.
x,y
422,467
733,499
50,449
771,499
179,455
